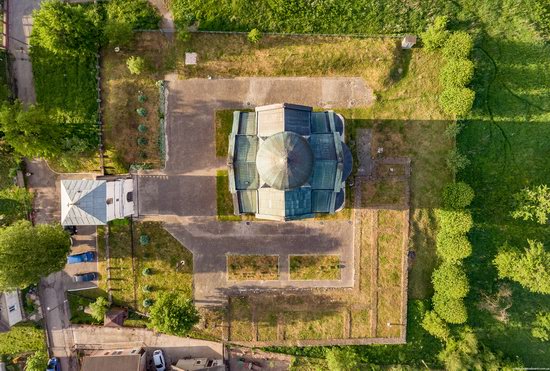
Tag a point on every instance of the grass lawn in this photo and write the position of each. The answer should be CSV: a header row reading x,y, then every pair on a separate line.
x,y
162,255
383,192
252,267
313,325
314,267
224,124
78,303
22,338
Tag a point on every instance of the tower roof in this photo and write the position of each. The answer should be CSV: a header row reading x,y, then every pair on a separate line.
x,y
285,161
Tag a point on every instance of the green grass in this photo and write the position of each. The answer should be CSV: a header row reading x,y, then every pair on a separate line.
x,y
314,267
383,192
241,317
21,338
252,267
162,255
78,304
224,199
224,124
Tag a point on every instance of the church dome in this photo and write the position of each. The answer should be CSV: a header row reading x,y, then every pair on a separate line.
x,y
285,161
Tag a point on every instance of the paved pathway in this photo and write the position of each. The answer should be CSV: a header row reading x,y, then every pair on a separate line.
x,y
19,30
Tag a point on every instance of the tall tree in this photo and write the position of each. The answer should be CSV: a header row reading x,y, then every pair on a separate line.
x,y
533,203
531,269
173,314
28,253
342,359
66,29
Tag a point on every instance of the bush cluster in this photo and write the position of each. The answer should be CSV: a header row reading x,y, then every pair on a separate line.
x,y
449,309
457,196
454,222
450,279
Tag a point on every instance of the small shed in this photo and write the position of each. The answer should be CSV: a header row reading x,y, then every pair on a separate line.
x,y
115,317
408,41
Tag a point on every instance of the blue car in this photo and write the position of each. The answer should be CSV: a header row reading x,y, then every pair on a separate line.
x,y
81,258
85,277
53,365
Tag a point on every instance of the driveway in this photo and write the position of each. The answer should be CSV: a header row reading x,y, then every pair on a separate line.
x,y
183,195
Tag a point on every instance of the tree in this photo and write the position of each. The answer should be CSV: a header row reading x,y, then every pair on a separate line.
x,y
457,72
173,314
28,253
138,14
118,33
435,325
434,37
456,161
541,326
37,361
531,269
458,45
457,195
454,221
452,248
449,309
66,29
135,65
99,308
457,101
450,280
15,203
342,359
533,203
254,36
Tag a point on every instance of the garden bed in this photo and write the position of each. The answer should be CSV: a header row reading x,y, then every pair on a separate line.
x,y
252,267
314,267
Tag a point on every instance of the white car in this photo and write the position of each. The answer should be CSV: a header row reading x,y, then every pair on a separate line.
x,y
158,360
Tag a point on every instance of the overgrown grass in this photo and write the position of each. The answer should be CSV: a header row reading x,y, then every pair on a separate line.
x,y
163,255
313,325
314,267
224,124
22,338
252,267
383,192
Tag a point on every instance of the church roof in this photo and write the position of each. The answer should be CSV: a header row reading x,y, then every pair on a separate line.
x,y
83,202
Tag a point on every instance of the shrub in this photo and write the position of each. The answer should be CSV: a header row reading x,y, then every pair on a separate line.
x,y
142,98
147,303
533,204
141,111
456,161
342,359
457,195
135,65
458,45
435,326
434,37
173,314
118,33
142,141
450,310
457,72
137,14
453,247
38,361
99,308
454,221
144,240
142,128
541,326
452,130
147,271
147,288
456,101
451,280
254,36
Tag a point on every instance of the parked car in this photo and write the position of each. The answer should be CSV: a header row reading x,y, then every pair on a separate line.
x,y
53,365
158,360
85,277
81,258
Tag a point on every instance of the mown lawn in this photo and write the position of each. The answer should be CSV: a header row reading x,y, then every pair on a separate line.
x,y
163,255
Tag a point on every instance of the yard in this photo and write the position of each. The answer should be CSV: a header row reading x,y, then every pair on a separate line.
x,y
160,263
314,267
22,338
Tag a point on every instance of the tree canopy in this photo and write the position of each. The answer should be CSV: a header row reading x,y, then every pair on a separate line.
x,y
37,361
98,308
28,253
66,29
533,203
342,359
531,269
173,314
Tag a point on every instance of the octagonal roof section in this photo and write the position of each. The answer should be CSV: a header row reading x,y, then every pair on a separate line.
x,y
285,161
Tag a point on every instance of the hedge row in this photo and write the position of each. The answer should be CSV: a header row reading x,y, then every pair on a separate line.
x,y
449,279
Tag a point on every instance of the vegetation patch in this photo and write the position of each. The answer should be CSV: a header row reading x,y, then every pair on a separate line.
x,y
252,267
313,325
314,267
383,192
241,317
224,124
170,263
22,338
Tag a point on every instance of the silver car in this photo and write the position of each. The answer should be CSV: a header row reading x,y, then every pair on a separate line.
x,y
158,360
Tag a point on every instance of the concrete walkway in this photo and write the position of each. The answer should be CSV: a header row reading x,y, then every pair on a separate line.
x,y
19,31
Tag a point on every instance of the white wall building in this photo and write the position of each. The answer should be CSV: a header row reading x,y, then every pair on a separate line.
x,y
96,202
10,308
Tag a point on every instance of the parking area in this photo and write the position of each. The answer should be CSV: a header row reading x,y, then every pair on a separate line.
x,y
83,241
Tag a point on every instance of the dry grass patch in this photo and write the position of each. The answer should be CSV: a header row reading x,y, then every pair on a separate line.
x,y
314,267
383,192
390,272
313,325
389,170
240,314
233,55
267,326
361,323
252,267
